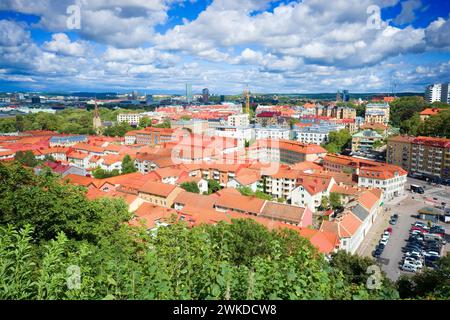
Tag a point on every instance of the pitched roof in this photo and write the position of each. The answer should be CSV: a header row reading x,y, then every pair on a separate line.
x,y
150,214
157,188
196,200
345,226
283,212
325,242
240,203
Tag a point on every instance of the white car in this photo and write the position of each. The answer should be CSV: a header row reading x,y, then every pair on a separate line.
x,y
409,267
416,262
384,241
386,234
421,225
432,254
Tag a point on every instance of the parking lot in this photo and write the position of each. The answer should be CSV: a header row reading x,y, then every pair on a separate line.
x,y
405,207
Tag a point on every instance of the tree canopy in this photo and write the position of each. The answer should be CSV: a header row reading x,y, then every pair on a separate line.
x,y
190,186
338,141
128,165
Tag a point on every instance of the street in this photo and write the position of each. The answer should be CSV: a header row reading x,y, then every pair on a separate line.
x,y
404,206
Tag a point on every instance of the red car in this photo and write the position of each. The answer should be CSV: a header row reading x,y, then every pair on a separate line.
x,y
419,229
389,230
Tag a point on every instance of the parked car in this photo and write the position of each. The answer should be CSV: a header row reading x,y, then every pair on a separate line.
x,y
421,230
432,253
409,267
389,230
414,255
393,220
417,262
420,224
377,252
384,241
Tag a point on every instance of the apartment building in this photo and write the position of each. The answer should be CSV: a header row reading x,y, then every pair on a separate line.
x,y
424,156
389,178
239,120
377,113
430,157
242,134
272,133
343,112
315,134
437,92
154,136
364,140
285,151
131,118
193,126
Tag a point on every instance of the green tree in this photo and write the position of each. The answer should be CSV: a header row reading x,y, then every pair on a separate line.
x,y
355,270
213,186
100,173
335,200
26,158
437,125
403,108
338,141
145,122
190,186
128,165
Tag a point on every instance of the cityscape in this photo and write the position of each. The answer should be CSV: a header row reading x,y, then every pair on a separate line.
x,y
210,150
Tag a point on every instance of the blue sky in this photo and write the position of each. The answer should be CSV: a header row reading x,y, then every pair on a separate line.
x,y
225,45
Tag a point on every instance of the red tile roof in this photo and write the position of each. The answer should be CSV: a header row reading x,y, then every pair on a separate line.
x,y
157,188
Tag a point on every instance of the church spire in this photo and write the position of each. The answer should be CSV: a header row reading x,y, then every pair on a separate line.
x,y
97,122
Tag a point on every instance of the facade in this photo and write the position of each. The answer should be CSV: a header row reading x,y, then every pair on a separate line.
x,y
239,120
242,134
193,126
160,194
425,156
131,118
437,92
430,157
377,113
315,134
272,133
364,140
67,141
154,136
398,151
285,151
342,113
390,179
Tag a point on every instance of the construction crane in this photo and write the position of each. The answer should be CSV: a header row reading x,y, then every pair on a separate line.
x,y
247,101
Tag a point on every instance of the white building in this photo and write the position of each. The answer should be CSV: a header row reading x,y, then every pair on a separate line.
x,y
316,134
310,191
438,92
132,118
263,133
239,120
242,134
390,179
